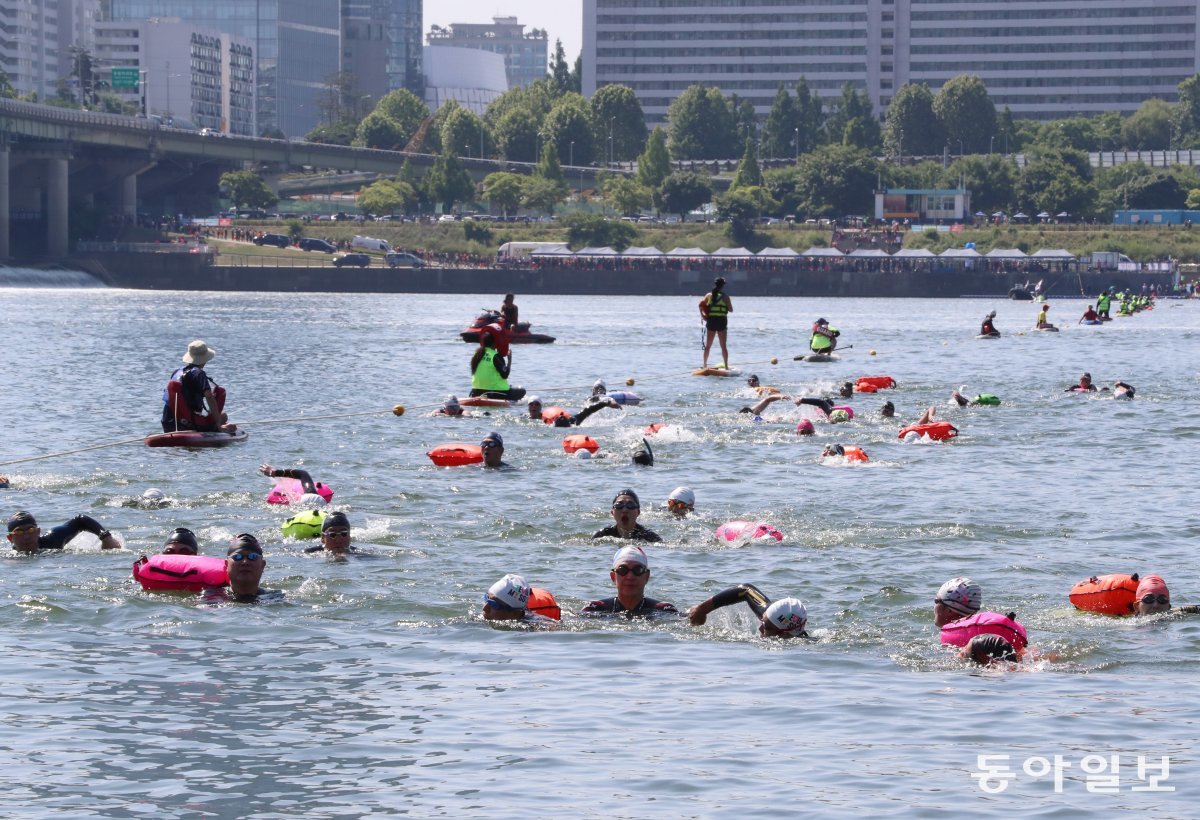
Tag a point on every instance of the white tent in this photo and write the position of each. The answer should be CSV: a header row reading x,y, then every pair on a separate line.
x,y
823,252
636,251
1059,254
595,252
689,253
1010,253
959,253
556,251
869,253
734,252
779,253
914,253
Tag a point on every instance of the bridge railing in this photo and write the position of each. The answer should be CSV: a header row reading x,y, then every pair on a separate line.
x,y
141,247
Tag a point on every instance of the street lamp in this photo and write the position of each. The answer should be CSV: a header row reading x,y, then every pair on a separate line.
x,y
571,161
481,137
797,144
611,121
991,140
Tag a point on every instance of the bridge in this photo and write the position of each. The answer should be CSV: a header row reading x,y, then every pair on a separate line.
x,y
53,158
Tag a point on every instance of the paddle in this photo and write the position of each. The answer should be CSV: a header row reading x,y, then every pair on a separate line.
x,y
805,355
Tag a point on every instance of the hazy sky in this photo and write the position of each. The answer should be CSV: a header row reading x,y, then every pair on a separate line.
x,y
562,19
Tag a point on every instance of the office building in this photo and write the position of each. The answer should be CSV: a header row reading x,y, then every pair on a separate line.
x,y
188,75
525,54
1046,60
36,39
470,77
296,44
381,46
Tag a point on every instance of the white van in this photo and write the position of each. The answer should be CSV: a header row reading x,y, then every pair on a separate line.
x,y
369,244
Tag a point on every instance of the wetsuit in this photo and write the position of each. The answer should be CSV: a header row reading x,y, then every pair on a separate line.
x,y
194,382
752,595
579,418
639,533
648,608
824,405
1127,392
321,548
987,328
300,475
59,537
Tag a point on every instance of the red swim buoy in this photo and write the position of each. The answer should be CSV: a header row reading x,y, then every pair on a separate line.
x,y
855,454
550,414
580,442
938,431
456,454
541,602
876,382
1106,595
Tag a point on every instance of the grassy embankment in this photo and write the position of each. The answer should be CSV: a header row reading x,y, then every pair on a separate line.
x,y
1141,244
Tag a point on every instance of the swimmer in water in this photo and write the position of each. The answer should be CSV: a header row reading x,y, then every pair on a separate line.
x,y
988,327
987,650
181,541
958,598
625,510
26,536
986,399
450,407
630,574
508,600
888,411
567,420
785,618
244,564
153,499
1085,385
311,496
335,536
832,450
643,456
1153,598
4,485
1121,390
681,501
493,451
761,389
805,428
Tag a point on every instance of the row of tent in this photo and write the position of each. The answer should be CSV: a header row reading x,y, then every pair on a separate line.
x,y
788,253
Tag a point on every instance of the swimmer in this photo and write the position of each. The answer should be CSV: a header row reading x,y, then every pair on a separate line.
x,y
762,404
335,536
785,618
986,399
493,451
1085,385
1042,322
832,450
597,404
508,600
643,456
625,510
681,501
26,536
306,481
762,389
153,499
1121,390
987,650
805,428
824,405
846,391
927,416
888,411
244,563
450,407
181,541
4,485
958,598
630,574
988,327
1153,598
599,389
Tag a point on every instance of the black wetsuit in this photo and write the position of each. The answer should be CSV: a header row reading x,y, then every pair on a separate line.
x,y
639,533
580,417
300,475
752,595
988,329
61,535
648,608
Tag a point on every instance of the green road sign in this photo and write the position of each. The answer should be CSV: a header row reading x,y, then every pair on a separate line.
x,y
124,78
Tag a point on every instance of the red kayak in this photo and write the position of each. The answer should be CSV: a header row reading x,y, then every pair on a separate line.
x,y
194,438
519,335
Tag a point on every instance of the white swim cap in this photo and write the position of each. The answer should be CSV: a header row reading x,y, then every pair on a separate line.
x,y
962,595
581,453
311,499
153,494
632,555
683,494
511,590
534,400
787,614
599,388
451,401
912,435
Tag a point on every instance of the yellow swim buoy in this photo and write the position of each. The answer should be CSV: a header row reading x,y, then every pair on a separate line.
x,y
872,351
398,410
774,360
629,382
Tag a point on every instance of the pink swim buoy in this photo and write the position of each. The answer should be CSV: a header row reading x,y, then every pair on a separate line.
x,y
289,491
735,531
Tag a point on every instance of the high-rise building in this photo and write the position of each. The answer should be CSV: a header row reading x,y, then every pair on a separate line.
x,y
36,38
1044,59
187,74
381,45
297,48
525,55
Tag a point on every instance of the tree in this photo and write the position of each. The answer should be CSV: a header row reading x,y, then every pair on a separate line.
x,y
684,191
992,181
701,125
836,180
912,129
1156,189
570,121
852,122
742,207
386,196
779,137
1057,179
464,134
560,72
809,113
516,135
1148,128
406,108
626,195
654,165
503,190
339,133
966,113
1006,132
1193,199
447,182
549,168
594,231
745,118
378,130
7,92
616,107
246,189
1187,111
542,194
577,74
748,173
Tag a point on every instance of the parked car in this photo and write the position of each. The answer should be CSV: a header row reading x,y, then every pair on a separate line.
x,y
400,259
276,239
447,218
358,260
309,243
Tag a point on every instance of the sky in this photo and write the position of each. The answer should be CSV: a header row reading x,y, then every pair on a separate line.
x,y
562,19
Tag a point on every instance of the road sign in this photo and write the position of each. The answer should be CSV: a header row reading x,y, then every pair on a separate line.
x,y
124,78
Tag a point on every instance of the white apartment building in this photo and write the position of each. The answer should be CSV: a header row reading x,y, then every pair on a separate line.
x,y
36,37
190,75
1042,58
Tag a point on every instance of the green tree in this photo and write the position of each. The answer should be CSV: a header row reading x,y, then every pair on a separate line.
x,y
745,118
1055,180
911,128
378,130
837,180
1187,110
654,165
447,182
616,108
339,133
386,197
464,134
594,231
626,195
246,189
966,113
549,168
516,135
1007,138
852,122
1156,189
1193,200
560,72
406,108
992,181
1148,128
504,190
809,117
570,121
684,191
701,125
779,137
742,207
7,92
748,173
542,194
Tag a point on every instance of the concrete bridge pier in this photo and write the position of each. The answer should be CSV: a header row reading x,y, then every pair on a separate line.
x,y
58,172
5,249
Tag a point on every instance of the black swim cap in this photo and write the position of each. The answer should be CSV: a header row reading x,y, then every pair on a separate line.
x,y
644,455
991,647
629,493
22,518
182,535
335,519
243,541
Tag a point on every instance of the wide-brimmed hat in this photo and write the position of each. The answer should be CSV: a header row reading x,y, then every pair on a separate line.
x,y
199,353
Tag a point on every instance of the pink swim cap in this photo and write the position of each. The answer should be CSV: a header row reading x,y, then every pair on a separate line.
x,y
805,428
1152,585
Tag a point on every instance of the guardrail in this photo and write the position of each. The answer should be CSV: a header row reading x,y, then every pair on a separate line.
x,y
142,247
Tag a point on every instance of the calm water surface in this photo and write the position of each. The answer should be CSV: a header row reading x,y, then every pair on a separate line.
x,y
375,688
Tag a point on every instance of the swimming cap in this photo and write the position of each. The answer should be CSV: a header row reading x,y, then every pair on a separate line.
x,y
838,416
962,595
451,401
644,455
182,535
599,388
822,322
1087,376
629,493
153,495
887,405
911,435
494,437
21,519
511,590
757,419
583,453
337,518
535,400
752,380
991,648
992,315
311,499
243,541
631,555
805,428
787,614
1152,585
683,494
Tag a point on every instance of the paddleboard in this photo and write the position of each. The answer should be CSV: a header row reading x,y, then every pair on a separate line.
x,y
1092,322
1046,329
193,438
819,357
716,371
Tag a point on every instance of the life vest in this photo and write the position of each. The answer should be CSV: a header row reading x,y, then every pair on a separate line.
x,y
718,308
486,376
456,455
1103,302
191,573
938,431
959,633
580,442
822,338
1106,594
541,602
305,525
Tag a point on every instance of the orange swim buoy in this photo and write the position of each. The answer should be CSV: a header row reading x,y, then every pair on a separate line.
x,y
551,413
877,382
855,454
938,431
456,454
541,602
580,442
1106,595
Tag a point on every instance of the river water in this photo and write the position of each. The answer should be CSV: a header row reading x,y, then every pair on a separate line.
x,y
375,688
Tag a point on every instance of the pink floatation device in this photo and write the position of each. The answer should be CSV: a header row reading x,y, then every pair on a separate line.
x,y
733,531
290,490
